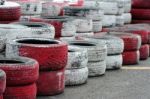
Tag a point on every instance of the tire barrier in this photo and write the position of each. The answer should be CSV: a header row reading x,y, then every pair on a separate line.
x,y
120,20
127,18
141,4
109,21
144,52
51,54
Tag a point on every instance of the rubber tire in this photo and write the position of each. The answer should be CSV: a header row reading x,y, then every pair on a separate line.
x,y
96,68
51,82
97,26
141,4
114,62
96,52
14,10
119,20
21,92
140,21
51,56
127,18
131,57
77,58
1,96
84,34
109,21
2,82
76,76
144,52
39,29
132,42
20,70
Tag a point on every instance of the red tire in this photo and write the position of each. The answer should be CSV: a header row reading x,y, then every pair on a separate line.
x,y
141,4
131,57
10,11
143,14
2,82
140,21
51,54
132,42
20,71
1,96
7,22
21,92
144,52
51,82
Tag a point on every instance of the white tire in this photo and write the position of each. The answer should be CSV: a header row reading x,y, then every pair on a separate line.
x,y
127,18
96,51
84,34
96,68
2,44
67,39
127,7
114,62
120,20
109,20
97,25
39,29
76,76
77,58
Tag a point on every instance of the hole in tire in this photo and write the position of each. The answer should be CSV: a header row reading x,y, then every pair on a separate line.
x,y
34,25
83,44
33,41
70,51
10,62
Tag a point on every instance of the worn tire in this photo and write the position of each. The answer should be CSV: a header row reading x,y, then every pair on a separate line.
x,y
14,10
109,20
97,26
76,76
21,92
144,52
131,57
51,54
127,18
51,82
119,20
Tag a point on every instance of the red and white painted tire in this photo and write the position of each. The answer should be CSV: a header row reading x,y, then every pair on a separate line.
x,y
83,24
144,52
20,70
51,54
52,9
140,21
96,68
51,82
10,31
97,26
64,26
132,42
76,76
21,92
39,29
131,57
120,20
2,82
127,18
96,52
77,58
109,20
10,11
141,4
114,62
143,14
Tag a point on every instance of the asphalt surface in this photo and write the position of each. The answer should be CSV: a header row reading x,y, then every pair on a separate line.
x,y
132,82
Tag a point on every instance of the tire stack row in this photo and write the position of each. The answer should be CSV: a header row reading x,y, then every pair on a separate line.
x,y
141,11
9,12
52,58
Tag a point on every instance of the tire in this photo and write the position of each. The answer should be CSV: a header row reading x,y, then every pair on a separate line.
x,y
20,70
132,42
96,52
127,18
76,76
21,92
97,26
8,22
52,9
141,14
109,20
127,7
64,26
2,82
120,20
84,34
2,44
67,39
77,58
96,68
41,47
144,52
140,4
114,62
1,96
14,10
78,3
140,21
39,29
131,57
51,82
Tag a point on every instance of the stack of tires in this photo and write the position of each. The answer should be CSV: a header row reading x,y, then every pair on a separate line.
x,y
140,11
2,83
96,56
132,43
52,57
22,74
9,12
115,48
76,72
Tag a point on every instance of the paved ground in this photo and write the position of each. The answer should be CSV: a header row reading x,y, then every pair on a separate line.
x,y
132,82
